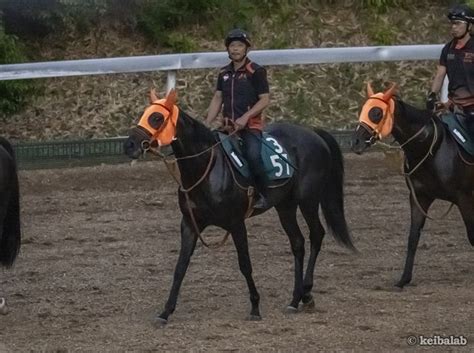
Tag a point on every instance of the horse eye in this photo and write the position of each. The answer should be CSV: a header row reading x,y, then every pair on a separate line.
x,y
375,114
155,120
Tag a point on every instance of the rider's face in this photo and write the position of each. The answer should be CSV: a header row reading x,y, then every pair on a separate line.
x,y
237,50
458,29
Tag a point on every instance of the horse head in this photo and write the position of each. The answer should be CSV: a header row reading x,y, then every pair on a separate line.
x,y
375,119
157,125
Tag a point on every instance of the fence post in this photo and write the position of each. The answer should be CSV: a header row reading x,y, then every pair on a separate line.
x,y
171,81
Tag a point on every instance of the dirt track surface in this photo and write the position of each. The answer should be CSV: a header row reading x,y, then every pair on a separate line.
x,y
100,245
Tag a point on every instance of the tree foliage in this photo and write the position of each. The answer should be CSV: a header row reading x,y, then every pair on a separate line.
x,y
13,94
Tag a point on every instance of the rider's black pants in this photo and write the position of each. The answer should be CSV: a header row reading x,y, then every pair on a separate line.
x,y
469,121
252,148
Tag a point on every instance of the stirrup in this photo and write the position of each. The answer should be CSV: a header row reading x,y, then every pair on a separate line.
x,y
261,203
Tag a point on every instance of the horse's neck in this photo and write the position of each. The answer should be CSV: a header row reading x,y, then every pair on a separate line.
x,y
410,121
192,148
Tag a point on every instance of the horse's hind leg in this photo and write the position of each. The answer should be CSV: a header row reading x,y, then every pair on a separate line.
x,y
188,244
239,235
288,220
418,219
466,207
316,235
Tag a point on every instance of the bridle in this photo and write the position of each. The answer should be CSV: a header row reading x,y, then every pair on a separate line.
x,y
171,164
374,137
374,134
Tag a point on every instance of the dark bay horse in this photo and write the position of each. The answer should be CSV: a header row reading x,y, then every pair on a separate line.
x,y
215,197
10,235
433,167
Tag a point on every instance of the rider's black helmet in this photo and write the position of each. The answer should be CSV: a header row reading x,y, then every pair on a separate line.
x,y
237,34
462,13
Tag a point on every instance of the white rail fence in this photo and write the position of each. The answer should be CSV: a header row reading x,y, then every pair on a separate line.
x,y
69,153
175,62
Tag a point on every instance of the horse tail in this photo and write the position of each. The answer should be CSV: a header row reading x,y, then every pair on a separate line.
x,y
332,202
10,235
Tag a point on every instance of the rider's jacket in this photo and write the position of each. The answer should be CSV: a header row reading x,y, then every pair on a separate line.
x,y
240,90
459,63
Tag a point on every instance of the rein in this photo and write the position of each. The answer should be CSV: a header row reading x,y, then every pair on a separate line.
x,y
408,174
430,150
171,166
412,191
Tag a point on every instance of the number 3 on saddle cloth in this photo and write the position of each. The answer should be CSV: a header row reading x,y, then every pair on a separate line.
x,y
457,128
274,156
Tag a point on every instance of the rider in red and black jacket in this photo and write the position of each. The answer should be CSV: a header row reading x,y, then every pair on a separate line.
x,y
242,93
457,61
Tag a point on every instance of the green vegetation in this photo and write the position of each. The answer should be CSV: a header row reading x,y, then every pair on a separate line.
x,y
13,94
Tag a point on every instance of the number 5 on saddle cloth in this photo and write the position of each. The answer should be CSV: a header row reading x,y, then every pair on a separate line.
x,y
275,158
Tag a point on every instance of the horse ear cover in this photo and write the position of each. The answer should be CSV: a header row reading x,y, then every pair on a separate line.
x,y
153,96
370,90
170,99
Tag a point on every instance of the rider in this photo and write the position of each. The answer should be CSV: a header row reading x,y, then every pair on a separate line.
x,y
457,61
242,93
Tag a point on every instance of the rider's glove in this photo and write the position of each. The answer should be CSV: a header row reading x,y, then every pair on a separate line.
x,y
431,101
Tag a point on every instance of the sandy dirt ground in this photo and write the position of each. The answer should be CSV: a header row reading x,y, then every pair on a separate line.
x,y
100,245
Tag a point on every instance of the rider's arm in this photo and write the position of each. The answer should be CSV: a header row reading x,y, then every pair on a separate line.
x,y
262,103
438,79
214,107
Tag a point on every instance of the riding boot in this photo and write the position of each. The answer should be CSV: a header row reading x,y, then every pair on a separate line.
x,y
261,202
252,147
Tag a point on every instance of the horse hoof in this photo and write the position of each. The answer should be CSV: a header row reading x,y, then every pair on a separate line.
x,y
254,318
400,284
291,309
160,322
3,307
309,306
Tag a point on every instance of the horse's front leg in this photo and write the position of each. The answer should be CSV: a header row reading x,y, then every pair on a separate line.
x,y
466,207
239,235
3,306
188,244
418,219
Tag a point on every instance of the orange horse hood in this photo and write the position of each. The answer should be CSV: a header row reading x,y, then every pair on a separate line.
x,y
378,111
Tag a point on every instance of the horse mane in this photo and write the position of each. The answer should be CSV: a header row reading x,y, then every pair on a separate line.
x,y
416,115
199,129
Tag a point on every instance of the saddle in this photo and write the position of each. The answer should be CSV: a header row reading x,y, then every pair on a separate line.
x,y
454,122
276,161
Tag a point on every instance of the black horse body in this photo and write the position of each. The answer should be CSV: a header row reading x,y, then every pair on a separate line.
x,y
10,235
441,174
219,201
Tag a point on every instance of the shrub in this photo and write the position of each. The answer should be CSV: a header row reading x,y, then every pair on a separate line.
x,y
13,94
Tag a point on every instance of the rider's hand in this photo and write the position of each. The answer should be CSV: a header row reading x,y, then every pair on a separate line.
x,y
431,101
241,123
